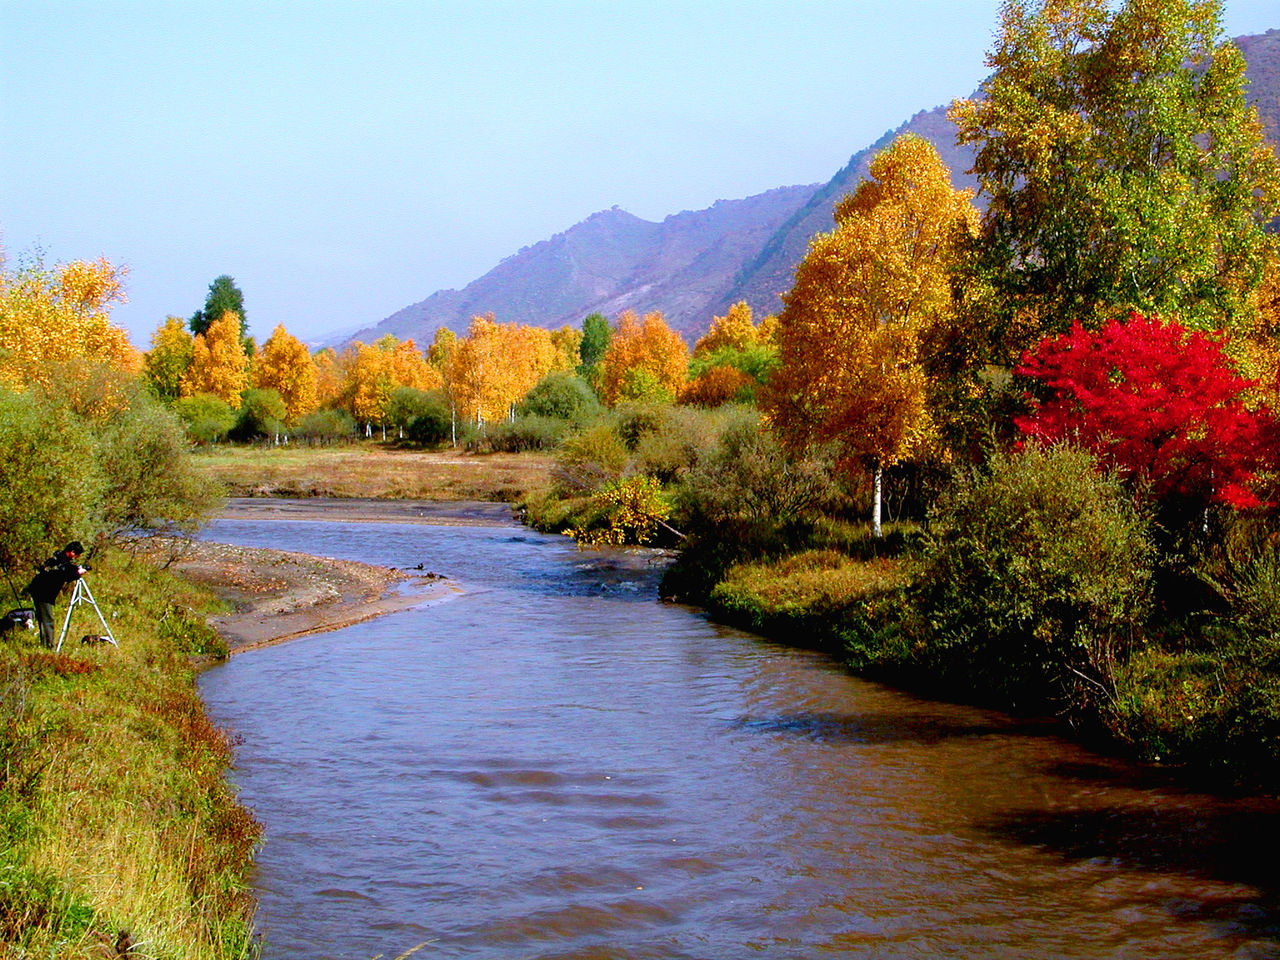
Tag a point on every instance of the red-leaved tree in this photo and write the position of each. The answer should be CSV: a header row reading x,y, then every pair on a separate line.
x,y
1163,407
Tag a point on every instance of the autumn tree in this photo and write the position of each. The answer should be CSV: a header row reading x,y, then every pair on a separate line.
x,y
219,366
644,359
1162,406
331,374
284,365
223,296
731,360
496,364
55,319
1123,166
169,359
869,298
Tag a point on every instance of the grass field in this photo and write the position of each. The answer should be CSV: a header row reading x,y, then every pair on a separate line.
x,y
375,471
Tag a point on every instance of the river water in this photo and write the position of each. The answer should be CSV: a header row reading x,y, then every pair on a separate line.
x,y
553,764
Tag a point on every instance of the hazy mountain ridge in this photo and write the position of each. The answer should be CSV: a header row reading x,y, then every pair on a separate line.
x,y
693,265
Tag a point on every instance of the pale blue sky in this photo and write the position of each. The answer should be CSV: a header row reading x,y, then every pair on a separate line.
x,y
343,159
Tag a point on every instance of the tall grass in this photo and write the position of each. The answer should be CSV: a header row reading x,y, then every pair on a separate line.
x,y
117,828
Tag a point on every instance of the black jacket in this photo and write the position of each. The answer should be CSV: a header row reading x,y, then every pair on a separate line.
x,y
55,573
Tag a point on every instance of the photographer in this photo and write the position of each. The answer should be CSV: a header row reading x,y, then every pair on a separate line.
x,y
54,574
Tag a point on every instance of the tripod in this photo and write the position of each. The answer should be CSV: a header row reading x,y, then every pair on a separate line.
x,y
82,594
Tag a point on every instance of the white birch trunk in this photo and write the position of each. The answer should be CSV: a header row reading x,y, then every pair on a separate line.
x,y
875,501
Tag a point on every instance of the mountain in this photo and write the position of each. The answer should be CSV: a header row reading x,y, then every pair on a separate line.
x,y
693,265
610,262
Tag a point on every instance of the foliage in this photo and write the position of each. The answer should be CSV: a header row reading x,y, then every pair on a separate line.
x,y
431,427
645,360
628,510
262,414
169,359
751,478
52,481
223,297
1035,571
719,385
325,426
150,482
596,335
218,363
561,394
1123,165
374,371
736,330
406,404
208,418
50,319
528,432
496,364
595,455
868,298
284,365
1162,406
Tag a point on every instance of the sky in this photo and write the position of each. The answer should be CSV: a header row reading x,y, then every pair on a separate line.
x,y
341,159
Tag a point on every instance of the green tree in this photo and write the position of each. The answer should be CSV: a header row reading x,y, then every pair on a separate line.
x,y
596,334
169,359
1125,169
223,296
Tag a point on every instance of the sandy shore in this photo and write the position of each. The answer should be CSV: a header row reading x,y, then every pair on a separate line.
x,y
276,595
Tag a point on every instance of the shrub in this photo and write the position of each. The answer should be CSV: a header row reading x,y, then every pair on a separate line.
x,y
53,482
325,426
1035,570
591,457
431,427
406,404
262,414
562,395
208,418
149,480
630,510
524,433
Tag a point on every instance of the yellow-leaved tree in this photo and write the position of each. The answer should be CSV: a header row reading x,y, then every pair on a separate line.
x,y
219,366
496,364
169,359
54,320
868,299
284,365
645,359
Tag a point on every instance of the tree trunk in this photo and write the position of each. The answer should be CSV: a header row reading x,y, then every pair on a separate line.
x,y
875,501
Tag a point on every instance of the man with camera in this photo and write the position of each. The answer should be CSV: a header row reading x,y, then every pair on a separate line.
x,y
54,574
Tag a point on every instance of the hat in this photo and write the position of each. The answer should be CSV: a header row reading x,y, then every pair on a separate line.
x,y
74,547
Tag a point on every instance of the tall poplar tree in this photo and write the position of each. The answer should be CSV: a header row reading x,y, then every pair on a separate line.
x,y
1124,168
870,299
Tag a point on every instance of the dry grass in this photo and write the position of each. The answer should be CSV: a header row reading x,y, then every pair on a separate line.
x,y
370,470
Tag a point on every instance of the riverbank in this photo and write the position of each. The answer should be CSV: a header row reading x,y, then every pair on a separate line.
x,y
274,596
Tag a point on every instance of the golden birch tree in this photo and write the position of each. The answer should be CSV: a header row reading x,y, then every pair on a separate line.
x,y
643,357
219,366
284,365
866,297
495,365
54,319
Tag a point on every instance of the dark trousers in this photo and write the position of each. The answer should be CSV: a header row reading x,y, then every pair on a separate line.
x,y
44,616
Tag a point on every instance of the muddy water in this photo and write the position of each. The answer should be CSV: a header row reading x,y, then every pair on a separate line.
x,y
556,765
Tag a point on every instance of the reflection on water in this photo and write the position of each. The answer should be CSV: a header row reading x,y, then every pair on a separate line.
x,y
555,765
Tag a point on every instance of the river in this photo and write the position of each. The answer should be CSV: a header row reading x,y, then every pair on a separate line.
x,y
554,764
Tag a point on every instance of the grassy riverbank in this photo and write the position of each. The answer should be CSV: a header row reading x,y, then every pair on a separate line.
x,y
375,471
116,824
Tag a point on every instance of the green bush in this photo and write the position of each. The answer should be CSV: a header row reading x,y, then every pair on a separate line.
x,y
406,404
53,482
325,426
530,432
208,418
562,395
431,427
594,456
150,482
262,414
1036,570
